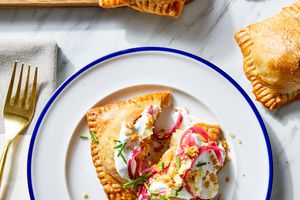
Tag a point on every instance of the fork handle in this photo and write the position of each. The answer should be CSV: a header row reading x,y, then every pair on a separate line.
x,y
3,160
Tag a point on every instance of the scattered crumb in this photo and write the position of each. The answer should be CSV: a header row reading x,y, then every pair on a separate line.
x,y
232,135
287,162
177,109
186,110
228,158
240,141
227,179
244,175
85,196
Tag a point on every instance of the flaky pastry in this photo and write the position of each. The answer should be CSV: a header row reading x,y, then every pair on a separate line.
x,y
160,7
271,51
105,123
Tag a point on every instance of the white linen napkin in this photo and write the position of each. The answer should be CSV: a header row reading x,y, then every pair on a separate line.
x,y
40,53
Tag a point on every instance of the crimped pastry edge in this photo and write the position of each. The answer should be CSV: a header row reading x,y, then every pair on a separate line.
x,y
264,94
173,8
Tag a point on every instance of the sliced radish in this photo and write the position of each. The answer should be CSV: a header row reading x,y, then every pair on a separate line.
x,y
174,128
151,112
138,162
216,149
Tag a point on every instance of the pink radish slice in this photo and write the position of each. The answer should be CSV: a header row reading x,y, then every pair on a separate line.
x,y
130,164
151,110
143,192
190,141
148,170
182,137
196,130
177,123
200,131
216,149
174,128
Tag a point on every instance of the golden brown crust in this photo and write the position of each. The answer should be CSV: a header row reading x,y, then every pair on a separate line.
x,y
271,51
105,122
160,7
112,3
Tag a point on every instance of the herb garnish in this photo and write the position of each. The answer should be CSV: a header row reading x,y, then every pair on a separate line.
x,y
177,191
178,162
94,137
162,166
140,179
84,137
200,164
188,155
164,197
120,148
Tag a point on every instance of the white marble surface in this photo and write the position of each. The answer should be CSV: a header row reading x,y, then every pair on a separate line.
x,y
205,28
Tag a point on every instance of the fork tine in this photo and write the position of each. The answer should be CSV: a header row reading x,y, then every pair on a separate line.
x,y
19,86
32,98
26,87
11,85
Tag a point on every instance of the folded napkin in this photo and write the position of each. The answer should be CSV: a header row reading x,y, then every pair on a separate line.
x,y
40,53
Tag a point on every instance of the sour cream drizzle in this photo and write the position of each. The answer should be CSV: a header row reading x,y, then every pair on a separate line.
x,y
143,127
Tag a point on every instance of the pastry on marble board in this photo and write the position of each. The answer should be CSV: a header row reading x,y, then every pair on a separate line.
x,y
171,8
129,156
271,51
123,137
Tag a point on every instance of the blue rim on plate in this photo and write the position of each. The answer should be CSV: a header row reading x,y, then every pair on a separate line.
x,y
145,49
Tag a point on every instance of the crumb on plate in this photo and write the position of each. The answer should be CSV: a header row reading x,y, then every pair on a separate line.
x,y
232,135
228,158
227,179
85,196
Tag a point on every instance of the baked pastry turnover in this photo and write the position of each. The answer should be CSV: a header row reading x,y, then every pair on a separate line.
x,y
271,51
160,7
123,132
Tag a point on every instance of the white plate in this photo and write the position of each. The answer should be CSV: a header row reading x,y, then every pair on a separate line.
x,y
59,162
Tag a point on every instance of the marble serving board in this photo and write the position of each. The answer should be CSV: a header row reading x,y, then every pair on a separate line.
x,y
51,3
47,3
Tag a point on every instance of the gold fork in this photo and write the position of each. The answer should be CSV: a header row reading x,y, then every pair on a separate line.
x,y
18,111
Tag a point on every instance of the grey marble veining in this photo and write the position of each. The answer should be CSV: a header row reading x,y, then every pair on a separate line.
x,y
206,28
